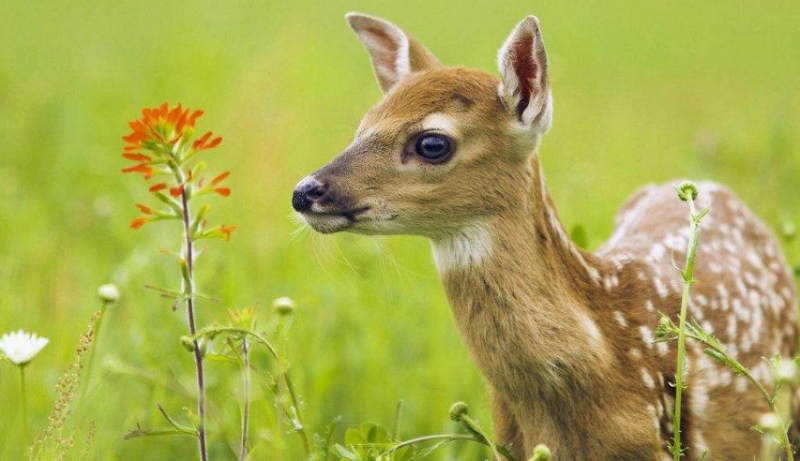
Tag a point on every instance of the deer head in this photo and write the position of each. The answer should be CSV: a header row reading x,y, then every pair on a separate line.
x,y
445,147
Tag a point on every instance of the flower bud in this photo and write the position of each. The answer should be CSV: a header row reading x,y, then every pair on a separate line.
x,y
789,230
770,422
284,305
540,453
686,190
786,372
664,327
187,343
108,293
458,411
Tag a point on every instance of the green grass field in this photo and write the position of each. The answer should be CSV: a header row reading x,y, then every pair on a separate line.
x,y
644,92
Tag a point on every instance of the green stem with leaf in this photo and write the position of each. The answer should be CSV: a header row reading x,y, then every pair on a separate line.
x,y
715,350
688,280
294,413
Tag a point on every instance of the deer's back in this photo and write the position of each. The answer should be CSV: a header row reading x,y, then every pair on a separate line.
x,y
745,296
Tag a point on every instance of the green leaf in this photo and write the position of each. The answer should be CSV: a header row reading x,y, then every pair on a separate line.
x,y
354,437
345,453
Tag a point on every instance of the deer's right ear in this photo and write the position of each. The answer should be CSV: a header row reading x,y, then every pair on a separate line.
x,y
523,71
393,53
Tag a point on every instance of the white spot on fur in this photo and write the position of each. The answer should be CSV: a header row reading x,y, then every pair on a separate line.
x,y
468,247
440,122
591,328
620,317
647,335
661,289
647,379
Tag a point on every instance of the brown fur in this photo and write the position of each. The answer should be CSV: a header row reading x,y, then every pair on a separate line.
x,y
564,337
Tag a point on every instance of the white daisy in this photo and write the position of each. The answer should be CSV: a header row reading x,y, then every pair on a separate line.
x,y
20,347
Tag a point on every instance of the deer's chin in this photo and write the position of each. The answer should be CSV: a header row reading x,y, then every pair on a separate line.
x,y
327,223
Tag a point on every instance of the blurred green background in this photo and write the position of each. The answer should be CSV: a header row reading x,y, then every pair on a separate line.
x,y
644,92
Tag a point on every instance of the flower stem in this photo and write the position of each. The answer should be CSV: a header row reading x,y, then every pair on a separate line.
x,y
24,402
296,417
198,354
96,334
246,399
688,279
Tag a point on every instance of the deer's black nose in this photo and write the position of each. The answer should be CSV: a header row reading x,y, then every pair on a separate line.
x,y
308,192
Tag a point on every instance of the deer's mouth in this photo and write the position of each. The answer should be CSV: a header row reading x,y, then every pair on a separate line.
x,y
328,222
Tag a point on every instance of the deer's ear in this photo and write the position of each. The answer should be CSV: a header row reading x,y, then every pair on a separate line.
x,y
393,53
523,72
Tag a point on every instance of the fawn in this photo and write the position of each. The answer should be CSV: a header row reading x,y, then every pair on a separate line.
x,y
563,337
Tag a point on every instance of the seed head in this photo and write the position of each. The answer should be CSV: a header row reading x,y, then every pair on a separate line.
x,y
458,411
687,189
789,230
284,306
540,453
108,293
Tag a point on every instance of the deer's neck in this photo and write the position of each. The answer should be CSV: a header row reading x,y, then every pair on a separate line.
x,y
520,292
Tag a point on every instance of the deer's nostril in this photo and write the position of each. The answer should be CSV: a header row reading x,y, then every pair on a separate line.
x,y
309,191
316,193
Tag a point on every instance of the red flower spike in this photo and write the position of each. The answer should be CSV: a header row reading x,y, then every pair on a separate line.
x,y
173,115
181,121
134,138
136,157
227,231
198,145
216,142
144,209
220,178
137,126
140,168
158,187
176,191
193,118
223,191
138,222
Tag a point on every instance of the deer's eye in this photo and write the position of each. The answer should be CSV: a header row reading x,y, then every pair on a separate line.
x,y
433,147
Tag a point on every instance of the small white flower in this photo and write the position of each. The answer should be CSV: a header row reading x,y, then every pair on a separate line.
x,y
108,293
20,347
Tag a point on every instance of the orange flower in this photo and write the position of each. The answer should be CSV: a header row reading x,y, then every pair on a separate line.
x,y
161,123
227,231
223,191
140,168
158,187
220,178
144,209
176,191
138,222
136,157
200,144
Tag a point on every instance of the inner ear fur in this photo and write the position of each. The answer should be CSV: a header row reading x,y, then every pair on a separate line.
x,y
393,53
525,86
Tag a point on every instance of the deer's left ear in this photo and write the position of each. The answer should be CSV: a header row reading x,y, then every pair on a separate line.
x,y
393,53
523,71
